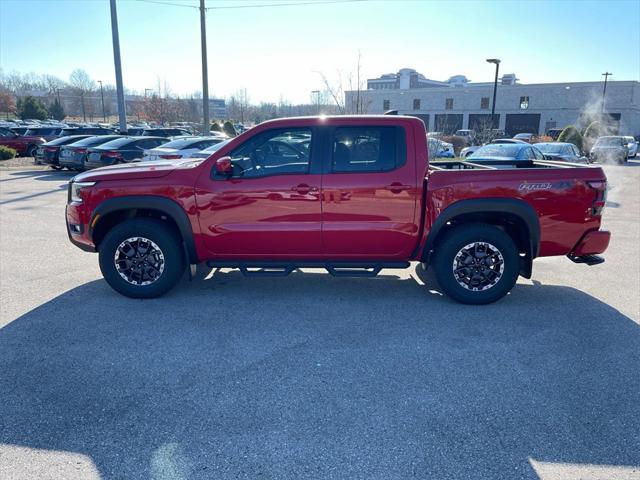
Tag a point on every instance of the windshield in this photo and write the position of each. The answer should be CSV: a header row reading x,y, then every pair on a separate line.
x,y
117,143
505,150
216,147
91,141
182,143
609,141
550,147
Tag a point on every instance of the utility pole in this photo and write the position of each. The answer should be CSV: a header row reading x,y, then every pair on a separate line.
x,y
604,90
84,114
122,114
104,117
317,94
205,75
496,61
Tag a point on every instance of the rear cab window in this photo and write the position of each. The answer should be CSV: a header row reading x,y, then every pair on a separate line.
x,y
368,149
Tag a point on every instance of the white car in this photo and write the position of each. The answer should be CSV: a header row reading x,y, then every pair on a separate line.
x,y
179,148
207,152
632,145
440,149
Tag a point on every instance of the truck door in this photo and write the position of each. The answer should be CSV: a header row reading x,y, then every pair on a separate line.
x,y
369,193
269,208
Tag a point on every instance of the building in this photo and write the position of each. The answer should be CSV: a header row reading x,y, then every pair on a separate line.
x,y
458,103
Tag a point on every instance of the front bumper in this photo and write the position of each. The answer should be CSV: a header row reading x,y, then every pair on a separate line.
x,y
78,227
592,243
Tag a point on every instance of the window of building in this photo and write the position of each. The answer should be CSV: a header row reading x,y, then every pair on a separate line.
x,y
448,104
484,103
416,104
368,149
386,105
524,103
274,152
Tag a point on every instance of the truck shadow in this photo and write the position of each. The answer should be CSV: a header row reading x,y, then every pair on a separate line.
x,y
309,376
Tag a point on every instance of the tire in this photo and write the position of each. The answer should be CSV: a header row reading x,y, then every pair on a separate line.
x,y
57,167
494,247
129,240
31,151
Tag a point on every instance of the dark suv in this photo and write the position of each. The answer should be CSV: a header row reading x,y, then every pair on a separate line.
x,y
165,132
87,131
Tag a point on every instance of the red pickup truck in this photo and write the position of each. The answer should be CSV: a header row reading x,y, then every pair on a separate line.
x,y
352,194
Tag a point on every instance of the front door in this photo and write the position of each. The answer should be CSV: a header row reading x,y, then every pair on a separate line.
x,y
269,207
369,194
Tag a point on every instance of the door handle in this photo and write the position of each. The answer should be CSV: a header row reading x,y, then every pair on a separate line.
x,y
397,187
304,189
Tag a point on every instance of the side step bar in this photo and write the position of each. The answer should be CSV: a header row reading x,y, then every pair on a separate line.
x,y
282,269
588,259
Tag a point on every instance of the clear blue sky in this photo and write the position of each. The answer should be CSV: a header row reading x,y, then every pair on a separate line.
x,y
274,51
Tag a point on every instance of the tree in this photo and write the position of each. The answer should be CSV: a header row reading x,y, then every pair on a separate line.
x,y
227,127
215,127
571,135
30,107
7,102
82,84
56,111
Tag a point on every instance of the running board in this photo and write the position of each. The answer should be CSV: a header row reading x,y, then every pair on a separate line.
x,y
282,269
587,259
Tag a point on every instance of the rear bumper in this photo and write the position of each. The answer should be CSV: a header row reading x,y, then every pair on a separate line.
x,y
592,243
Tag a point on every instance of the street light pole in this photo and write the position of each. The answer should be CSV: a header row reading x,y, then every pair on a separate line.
x,y
496,61
205,74
122,114
604,90
317,94
104,116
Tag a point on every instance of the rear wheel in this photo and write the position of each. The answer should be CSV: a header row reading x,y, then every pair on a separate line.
x,y
31,150
141,258
476,264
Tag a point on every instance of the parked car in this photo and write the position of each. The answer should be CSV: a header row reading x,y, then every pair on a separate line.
x,y
165,132
121,150
87,131
73,155
505,154
181,148
525,137
207,152
554,132
356,204
567,152
48,153
46,132
468,135
632,146
25,145
19,130
439,149
467,151
610,149
133,131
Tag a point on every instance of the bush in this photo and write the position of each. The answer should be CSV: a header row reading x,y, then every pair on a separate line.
x,y
571,135
7,153
229,129
591,134
215,127
458,142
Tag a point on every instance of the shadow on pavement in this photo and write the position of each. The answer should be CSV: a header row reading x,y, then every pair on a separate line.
x,y
315,377
45,175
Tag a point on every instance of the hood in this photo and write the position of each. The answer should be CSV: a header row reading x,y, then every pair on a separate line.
x,y
137,170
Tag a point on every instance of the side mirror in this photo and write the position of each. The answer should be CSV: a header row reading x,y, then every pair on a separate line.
x,y
224,166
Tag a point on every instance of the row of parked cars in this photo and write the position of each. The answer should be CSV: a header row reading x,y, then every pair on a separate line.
x,y
607,149
85,152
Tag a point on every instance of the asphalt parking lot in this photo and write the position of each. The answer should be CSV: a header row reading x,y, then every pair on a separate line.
x,y
311,376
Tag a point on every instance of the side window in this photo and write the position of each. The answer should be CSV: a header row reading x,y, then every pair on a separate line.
x,y
274,152
368,149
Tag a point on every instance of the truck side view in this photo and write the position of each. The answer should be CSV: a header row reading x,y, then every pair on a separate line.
x,y
353,195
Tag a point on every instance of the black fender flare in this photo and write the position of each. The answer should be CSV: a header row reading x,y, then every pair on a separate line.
x,y
168,207
518,208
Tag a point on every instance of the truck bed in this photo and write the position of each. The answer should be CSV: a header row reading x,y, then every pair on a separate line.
x,y
500,164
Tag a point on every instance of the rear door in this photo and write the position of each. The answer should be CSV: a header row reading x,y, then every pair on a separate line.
x,y
369,193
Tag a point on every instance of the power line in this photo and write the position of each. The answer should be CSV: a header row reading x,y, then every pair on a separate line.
x,y
255,5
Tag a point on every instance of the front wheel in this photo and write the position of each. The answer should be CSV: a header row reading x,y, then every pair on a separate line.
x,y
141,258
476,264
31,151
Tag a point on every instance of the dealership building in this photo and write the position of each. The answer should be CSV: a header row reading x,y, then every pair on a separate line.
x,y
458,103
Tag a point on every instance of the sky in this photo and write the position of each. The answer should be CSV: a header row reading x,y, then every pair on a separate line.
x,y
276,52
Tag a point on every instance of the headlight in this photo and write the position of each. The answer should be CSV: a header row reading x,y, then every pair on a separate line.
x,y
75,188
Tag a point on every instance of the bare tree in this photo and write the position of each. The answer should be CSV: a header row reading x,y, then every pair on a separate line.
x,y
82,84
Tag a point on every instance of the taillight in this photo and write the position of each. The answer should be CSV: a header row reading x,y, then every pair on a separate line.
x,y
80,150
112,154
49,149
600,198
170,157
